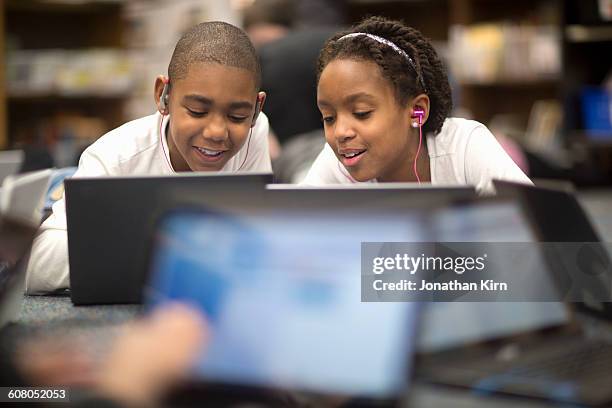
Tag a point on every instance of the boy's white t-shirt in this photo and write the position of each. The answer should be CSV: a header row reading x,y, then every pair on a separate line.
x,y
136,148
465,152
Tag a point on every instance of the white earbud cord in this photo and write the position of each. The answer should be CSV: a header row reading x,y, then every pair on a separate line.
x,y
247,151
161,141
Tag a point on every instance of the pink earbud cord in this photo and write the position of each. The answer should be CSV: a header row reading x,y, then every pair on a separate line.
x,y
416,173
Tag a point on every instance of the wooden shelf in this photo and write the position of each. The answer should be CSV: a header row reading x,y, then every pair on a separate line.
x,y
513,83
3,125
65,25
55,97
431,17
582,33
43,25
50,6
589,138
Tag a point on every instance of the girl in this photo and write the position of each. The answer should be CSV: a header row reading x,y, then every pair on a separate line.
x,y
385,100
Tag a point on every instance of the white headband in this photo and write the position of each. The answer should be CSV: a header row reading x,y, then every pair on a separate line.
x,y
389,44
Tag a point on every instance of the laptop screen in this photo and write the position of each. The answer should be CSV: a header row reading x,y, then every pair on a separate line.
x,y
282,293
10,162
582,271
15,240
447,325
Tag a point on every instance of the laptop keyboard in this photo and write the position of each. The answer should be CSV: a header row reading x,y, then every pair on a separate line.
x,y
4,275
578,360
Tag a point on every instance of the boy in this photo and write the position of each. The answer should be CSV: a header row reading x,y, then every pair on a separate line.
x,y
207,120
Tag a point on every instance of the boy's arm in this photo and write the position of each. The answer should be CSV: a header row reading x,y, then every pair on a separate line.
x,y
47,269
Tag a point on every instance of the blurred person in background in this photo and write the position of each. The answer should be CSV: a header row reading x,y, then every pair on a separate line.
x,y
288,38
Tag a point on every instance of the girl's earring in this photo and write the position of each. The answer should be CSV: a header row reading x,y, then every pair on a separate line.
x,y
415,124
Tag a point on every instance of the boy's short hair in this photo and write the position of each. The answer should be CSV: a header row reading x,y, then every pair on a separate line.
x,y
215,42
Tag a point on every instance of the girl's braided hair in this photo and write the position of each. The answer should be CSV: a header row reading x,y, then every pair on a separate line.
x,y
408,81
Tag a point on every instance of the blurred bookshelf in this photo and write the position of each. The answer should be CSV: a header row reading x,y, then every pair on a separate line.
x,y
66,75
76,69
431,17
3,128
583,33
587,88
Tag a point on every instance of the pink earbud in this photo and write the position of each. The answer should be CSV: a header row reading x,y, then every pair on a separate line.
x,y
418,113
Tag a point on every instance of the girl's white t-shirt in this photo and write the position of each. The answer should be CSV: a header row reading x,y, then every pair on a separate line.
x,y
465,152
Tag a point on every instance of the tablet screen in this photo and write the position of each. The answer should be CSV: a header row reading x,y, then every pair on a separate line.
x,y
282,292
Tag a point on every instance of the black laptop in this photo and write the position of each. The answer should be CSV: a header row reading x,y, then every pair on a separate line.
x,y
352,196
110,222
558,218
532,349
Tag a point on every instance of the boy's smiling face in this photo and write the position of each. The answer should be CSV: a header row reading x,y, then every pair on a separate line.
x,y
211,112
